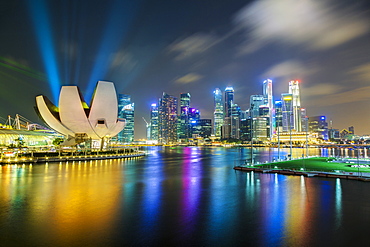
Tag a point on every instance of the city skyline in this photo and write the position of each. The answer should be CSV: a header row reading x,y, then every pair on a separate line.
x,y
176,47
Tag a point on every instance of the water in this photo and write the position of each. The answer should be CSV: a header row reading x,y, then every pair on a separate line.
x,y
181,196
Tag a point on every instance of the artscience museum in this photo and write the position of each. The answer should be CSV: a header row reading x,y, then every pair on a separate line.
x,y
77,121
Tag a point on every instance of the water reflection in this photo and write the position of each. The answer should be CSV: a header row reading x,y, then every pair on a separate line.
x,y
187,195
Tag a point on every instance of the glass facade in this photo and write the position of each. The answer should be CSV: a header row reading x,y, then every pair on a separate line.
x,y
167,113
218,114
126,110
154,122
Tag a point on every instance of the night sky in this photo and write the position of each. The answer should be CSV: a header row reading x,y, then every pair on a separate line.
x,y
147,47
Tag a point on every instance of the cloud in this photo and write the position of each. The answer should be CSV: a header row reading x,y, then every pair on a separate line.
x,y
362,72
320,90
318,24
290,69
194,44
191,77
123,59
356,95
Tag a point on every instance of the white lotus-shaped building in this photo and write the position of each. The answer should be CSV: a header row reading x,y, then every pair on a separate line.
x,y
74,119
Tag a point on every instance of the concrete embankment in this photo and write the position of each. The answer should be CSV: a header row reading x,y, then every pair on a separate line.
x,y
302,173
69,158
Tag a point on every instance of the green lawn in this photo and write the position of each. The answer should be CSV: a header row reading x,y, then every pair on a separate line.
x,y
314,164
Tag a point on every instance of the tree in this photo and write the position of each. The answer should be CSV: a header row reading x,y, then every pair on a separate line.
x,y
57,141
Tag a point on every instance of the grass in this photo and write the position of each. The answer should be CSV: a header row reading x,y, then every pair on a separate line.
x,y
314,164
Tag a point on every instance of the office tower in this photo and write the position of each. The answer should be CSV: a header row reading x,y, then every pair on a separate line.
x,y
261,128
333,134
287,111
229,99
228,102
235,122
218,114
304,119
351,130
318,124
184,126
278,116
194,117
296,104
268,101
167,113
205,127
126,110
154,122
255,102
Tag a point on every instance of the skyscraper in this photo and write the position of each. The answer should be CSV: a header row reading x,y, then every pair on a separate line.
x,y
296,104
229,100
218,114
126,110
167,112
287,111
255,102
268,101
184,127
279,116
318,124
235,122
194,117
154,122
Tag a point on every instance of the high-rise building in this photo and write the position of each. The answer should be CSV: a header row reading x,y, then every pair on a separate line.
x,y
235,122
228,103
279,116
255,102
167,113
268,101
205,128
296,104
351,130
154,122
126,110
304,119
184,125
194,117
218,114
229,100
287,112
318,124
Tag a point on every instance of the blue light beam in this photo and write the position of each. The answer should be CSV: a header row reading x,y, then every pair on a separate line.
x,y
41,22
120,19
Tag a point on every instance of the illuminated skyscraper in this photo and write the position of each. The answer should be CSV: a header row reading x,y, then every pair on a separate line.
x,y
167,112
184,127
318,124
287,112
279,116
268,101
235,122
126,110
296,104
229,100
218,114
194,117
228,103
154,122
255,102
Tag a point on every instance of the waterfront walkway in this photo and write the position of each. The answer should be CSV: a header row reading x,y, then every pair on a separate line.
x,y
70,157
